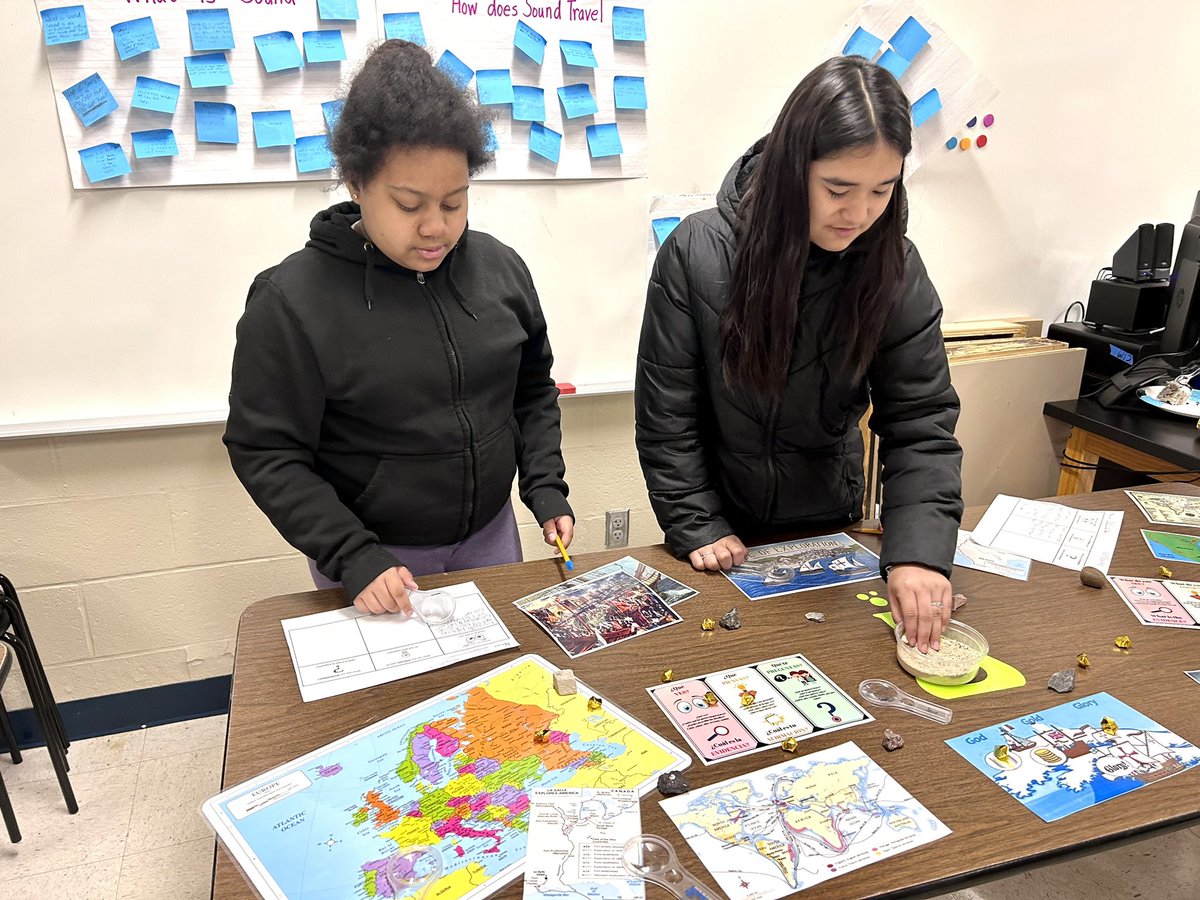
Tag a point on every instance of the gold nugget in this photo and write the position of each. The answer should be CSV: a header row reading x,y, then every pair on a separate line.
x,y
747,699
708,624
542,736
594,703
1108,726
1001,753
1083,660
668,675
1123,641
710,698
1164,572
790,745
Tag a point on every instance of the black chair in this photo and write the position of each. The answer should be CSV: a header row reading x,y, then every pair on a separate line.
x,y
14,631
6,810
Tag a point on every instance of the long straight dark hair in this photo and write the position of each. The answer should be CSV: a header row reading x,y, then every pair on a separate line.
x,y
845,103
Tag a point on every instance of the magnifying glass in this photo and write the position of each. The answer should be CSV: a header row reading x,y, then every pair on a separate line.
x,y
719,731
650,857
432,607
410,872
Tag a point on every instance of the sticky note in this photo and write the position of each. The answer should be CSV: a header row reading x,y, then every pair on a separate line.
x,y
578,53
577,100
494,86
529,103
345,10
629,23
104,161
460,73
406,26
278,51
155,95
545,142
324,46
629,92
893,62
91,99
208,70
929,103
530,43
210,29
332,111
313,153
663,228
273,128
65,25
489,138
604,140
135,37
909,38
216,123
862,43
157,142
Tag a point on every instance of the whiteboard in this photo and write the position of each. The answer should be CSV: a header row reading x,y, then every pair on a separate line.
x,y
121,305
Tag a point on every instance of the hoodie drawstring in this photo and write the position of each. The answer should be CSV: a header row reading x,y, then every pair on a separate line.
x,y
368,269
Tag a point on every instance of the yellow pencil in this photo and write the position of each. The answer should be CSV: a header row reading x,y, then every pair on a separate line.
x,y
563,551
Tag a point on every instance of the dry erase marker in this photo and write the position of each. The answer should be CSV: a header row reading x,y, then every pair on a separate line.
x,y
563,551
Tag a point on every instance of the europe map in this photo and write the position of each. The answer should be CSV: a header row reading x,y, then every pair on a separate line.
x,y
454,772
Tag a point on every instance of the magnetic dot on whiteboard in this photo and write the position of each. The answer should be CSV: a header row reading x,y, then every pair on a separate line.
x,y
988,120
974,119
981,141
964,144
952,143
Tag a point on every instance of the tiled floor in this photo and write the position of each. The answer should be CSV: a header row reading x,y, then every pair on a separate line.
x,y
139,834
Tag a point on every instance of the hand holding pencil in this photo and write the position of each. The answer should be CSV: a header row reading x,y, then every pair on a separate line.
x,y
558,532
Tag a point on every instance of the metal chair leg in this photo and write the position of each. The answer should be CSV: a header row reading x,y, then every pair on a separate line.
x,y
21,628
6,731
10,818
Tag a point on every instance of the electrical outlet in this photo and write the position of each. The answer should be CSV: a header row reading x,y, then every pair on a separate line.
x,y
616,528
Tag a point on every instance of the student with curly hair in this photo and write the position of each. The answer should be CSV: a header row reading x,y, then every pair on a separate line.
x,y
773,319
392,376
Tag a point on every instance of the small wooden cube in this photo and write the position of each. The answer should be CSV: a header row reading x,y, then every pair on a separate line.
x,y
564,682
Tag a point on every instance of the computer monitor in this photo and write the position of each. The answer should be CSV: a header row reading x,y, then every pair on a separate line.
x,y
1182,330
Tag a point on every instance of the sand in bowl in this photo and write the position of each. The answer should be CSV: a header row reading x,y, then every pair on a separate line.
x,y
962,650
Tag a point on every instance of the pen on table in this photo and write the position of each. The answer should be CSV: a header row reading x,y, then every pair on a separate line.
x,y
563,551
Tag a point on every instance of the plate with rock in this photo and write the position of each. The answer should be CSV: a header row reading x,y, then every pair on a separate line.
x,y
1172,397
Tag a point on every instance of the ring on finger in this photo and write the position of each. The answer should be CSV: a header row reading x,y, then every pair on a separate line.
x,y
936,604
707,553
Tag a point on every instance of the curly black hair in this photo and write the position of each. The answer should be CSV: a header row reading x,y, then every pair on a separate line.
x,y
400,99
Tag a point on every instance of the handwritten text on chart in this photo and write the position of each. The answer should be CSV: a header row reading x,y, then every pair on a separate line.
x,y
577,10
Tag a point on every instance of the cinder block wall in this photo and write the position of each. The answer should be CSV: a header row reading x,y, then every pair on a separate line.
x,y
135,552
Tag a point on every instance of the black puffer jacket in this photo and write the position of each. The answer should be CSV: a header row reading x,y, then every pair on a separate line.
x,y
371,404
718,462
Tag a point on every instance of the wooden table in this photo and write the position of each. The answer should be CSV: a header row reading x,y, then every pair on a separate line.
x,y
1164,446
1038,626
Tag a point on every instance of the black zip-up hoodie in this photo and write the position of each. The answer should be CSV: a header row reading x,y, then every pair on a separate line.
x,y
718,461
371,404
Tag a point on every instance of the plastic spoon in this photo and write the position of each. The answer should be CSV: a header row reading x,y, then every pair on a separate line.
x,y
410,872
883,693
652,858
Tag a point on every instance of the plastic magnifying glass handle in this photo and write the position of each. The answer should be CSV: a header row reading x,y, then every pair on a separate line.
x,y
883,693
410,872
653,859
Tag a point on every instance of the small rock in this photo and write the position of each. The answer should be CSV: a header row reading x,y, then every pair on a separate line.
x,y
815,616
730,620
671,784
564,682
958,601
892,740
1063,682
1092,577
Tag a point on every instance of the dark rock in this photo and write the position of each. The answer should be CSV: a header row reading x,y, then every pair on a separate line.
x,y
730,620
892,740
1063,682
671,784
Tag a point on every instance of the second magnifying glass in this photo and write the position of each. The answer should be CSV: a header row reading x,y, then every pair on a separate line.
x,y
432,607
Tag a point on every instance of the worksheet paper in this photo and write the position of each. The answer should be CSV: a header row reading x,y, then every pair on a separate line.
x,y
345,650
1049,532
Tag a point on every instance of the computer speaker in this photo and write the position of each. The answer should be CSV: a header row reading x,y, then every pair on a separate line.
x,y
1134,261
1164,243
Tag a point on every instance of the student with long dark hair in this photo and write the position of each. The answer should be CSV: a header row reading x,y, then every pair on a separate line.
x,y
393,376
771,322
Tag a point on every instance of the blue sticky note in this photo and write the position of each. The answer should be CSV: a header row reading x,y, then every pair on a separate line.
x,y
604,140
406,26
663,228
135,37
530,43
210,29
545,142
208,70
332,111
344,10
104,161
324,46
313,153
578,53
494,86
65,25
216,123
929,103
489,138
273,128
862,43
529,104
155,95
577,100
909,38
460,73
91,99
629,23
629,92
158,142
893,62
278,51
